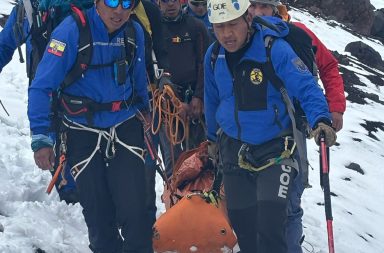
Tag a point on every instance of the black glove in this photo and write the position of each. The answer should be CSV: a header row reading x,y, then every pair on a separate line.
x,y
329,134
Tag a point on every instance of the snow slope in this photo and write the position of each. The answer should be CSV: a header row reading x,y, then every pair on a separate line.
x,y
32,220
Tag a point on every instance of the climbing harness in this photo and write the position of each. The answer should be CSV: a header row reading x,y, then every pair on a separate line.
x,y
110,151
247,162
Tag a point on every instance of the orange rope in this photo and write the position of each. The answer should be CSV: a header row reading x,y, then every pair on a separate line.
x,y
168,108
57,173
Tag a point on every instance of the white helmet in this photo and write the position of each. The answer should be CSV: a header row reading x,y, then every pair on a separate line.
x,y
271,2
220,11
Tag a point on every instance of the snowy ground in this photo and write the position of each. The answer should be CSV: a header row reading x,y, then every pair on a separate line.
x,y
30,219
378,3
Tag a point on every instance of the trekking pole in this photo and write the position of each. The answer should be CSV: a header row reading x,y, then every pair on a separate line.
x,y
324,172
1,103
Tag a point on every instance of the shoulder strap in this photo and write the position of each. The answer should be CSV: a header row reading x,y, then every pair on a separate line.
x,y
85,48
279,85
214,54
28,11
130,43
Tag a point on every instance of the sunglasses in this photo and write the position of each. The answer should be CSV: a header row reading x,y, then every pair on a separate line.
x,y
198,3
125,4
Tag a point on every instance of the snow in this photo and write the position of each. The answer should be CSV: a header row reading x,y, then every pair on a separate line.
x,y
5,6
378,3
31,219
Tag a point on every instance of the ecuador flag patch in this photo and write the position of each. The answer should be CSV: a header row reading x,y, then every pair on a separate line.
x,y
56,47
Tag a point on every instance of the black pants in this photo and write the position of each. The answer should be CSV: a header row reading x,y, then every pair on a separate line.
x,y
257,202
112,191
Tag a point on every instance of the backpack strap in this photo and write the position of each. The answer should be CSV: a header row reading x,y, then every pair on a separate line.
x,y
130,48
85,49
130,43
28,11
279,85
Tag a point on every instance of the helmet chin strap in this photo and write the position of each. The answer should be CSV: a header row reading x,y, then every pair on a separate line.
x,y
249,33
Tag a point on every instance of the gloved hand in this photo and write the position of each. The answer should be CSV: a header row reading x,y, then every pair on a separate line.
x,y
329,133
165,79
196,106
213,152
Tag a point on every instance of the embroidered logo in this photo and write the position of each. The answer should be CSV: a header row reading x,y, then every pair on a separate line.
x,y
300,65
176,39
256,76
56,47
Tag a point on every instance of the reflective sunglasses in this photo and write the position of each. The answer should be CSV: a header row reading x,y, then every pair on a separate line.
x,y
125,4
198,3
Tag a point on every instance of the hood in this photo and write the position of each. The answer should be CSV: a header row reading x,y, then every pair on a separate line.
x,y
270,26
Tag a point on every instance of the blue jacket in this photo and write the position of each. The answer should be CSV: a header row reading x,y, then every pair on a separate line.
x,y
8,41
260,126
96,84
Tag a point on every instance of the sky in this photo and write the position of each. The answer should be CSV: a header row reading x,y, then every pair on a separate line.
x,y
31,219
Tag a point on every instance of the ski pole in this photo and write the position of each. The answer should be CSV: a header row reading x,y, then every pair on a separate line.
x,y
324,172
1,103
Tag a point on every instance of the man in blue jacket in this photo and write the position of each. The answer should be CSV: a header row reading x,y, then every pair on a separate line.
x,y
102,137
15,33
248,119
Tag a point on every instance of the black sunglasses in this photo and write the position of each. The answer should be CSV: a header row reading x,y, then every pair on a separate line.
x,y
198,3
125,4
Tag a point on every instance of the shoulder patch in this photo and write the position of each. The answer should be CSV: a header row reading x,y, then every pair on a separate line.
x,y
56,47
300,65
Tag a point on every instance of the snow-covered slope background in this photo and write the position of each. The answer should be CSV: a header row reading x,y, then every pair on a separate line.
x,y
32,221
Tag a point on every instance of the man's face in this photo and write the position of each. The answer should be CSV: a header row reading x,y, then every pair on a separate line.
x,y
113,18
170,8
259,9
233,34
198,7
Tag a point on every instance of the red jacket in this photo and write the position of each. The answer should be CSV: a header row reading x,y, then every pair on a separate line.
x,y
329,73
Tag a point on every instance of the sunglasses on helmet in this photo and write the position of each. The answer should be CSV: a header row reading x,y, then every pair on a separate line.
x,y
198,3
125,4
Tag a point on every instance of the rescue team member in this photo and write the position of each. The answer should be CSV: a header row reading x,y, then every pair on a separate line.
x,y
247,117
328,71
105,142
